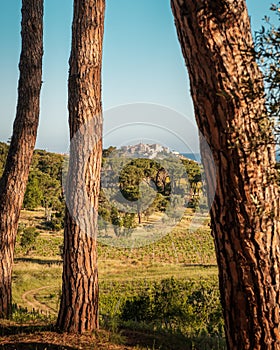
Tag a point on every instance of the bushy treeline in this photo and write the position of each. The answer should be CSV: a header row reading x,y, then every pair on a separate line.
x,y
44,187
44,183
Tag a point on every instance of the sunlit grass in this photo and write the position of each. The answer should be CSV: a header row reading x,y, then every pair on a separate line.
x,y
181,254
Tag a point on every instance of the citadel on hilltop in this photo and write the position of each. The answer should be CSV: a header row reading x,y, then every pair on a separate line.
x,y
145,150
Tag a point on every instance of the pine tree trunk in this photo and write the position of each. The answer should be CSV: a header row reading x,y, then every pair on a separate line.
x,y
227,91
79,303
15,176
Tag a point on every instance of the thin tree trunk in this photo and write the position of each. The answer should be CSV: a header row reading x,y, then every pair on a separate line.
x,y
227,91
79,303
15,176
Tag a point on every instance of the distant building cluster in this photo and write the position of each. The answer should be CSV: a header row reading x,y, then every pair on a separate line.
x,y
145,150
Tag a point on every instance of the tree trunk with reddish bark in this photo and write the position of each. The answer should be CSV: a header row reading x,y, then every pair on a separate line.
x,y
228,96
15,176
79,303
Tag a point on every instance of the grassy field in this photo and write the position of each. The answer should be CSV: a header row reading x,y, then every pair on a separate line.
x,y
181,260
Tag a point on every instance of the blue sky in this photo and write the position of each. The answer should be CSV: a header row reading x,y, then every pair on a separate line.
x,y
142,63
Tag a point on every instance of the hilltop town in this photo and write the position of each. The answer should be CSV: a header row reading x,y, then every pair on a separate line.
x,y
150,151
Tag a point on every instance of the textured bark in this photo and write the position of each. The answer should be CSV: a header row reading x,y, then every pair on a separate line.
x,y
79,304
227,91
15,176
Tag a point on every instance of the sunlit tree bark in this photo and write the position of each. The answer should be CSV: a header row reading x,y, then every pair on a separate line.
x,y
15,176
227,91
79,303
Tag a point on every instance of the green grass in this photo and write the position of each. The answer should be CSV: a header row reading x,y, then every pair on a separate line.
x,y
182,253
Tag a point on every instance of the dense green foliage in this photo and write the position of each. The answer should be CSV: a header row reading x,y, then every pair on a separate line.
x,y
44,185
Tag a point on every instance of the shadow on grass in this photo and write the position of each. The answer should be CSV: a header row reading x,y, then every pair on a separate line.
x,y
168,341
155,340
39,261
20,338
6,330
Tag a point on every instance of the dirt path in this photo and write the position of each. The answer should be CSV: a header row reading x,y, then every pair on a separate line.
x,y
30,300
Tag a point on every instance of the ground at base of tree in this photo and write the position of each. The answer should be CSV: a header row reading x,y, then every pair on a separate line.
x,y
31,338
38,338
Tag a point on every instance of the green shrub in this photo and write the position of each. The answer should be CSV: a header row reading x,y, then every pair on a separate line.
x,y
177,305
28,238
